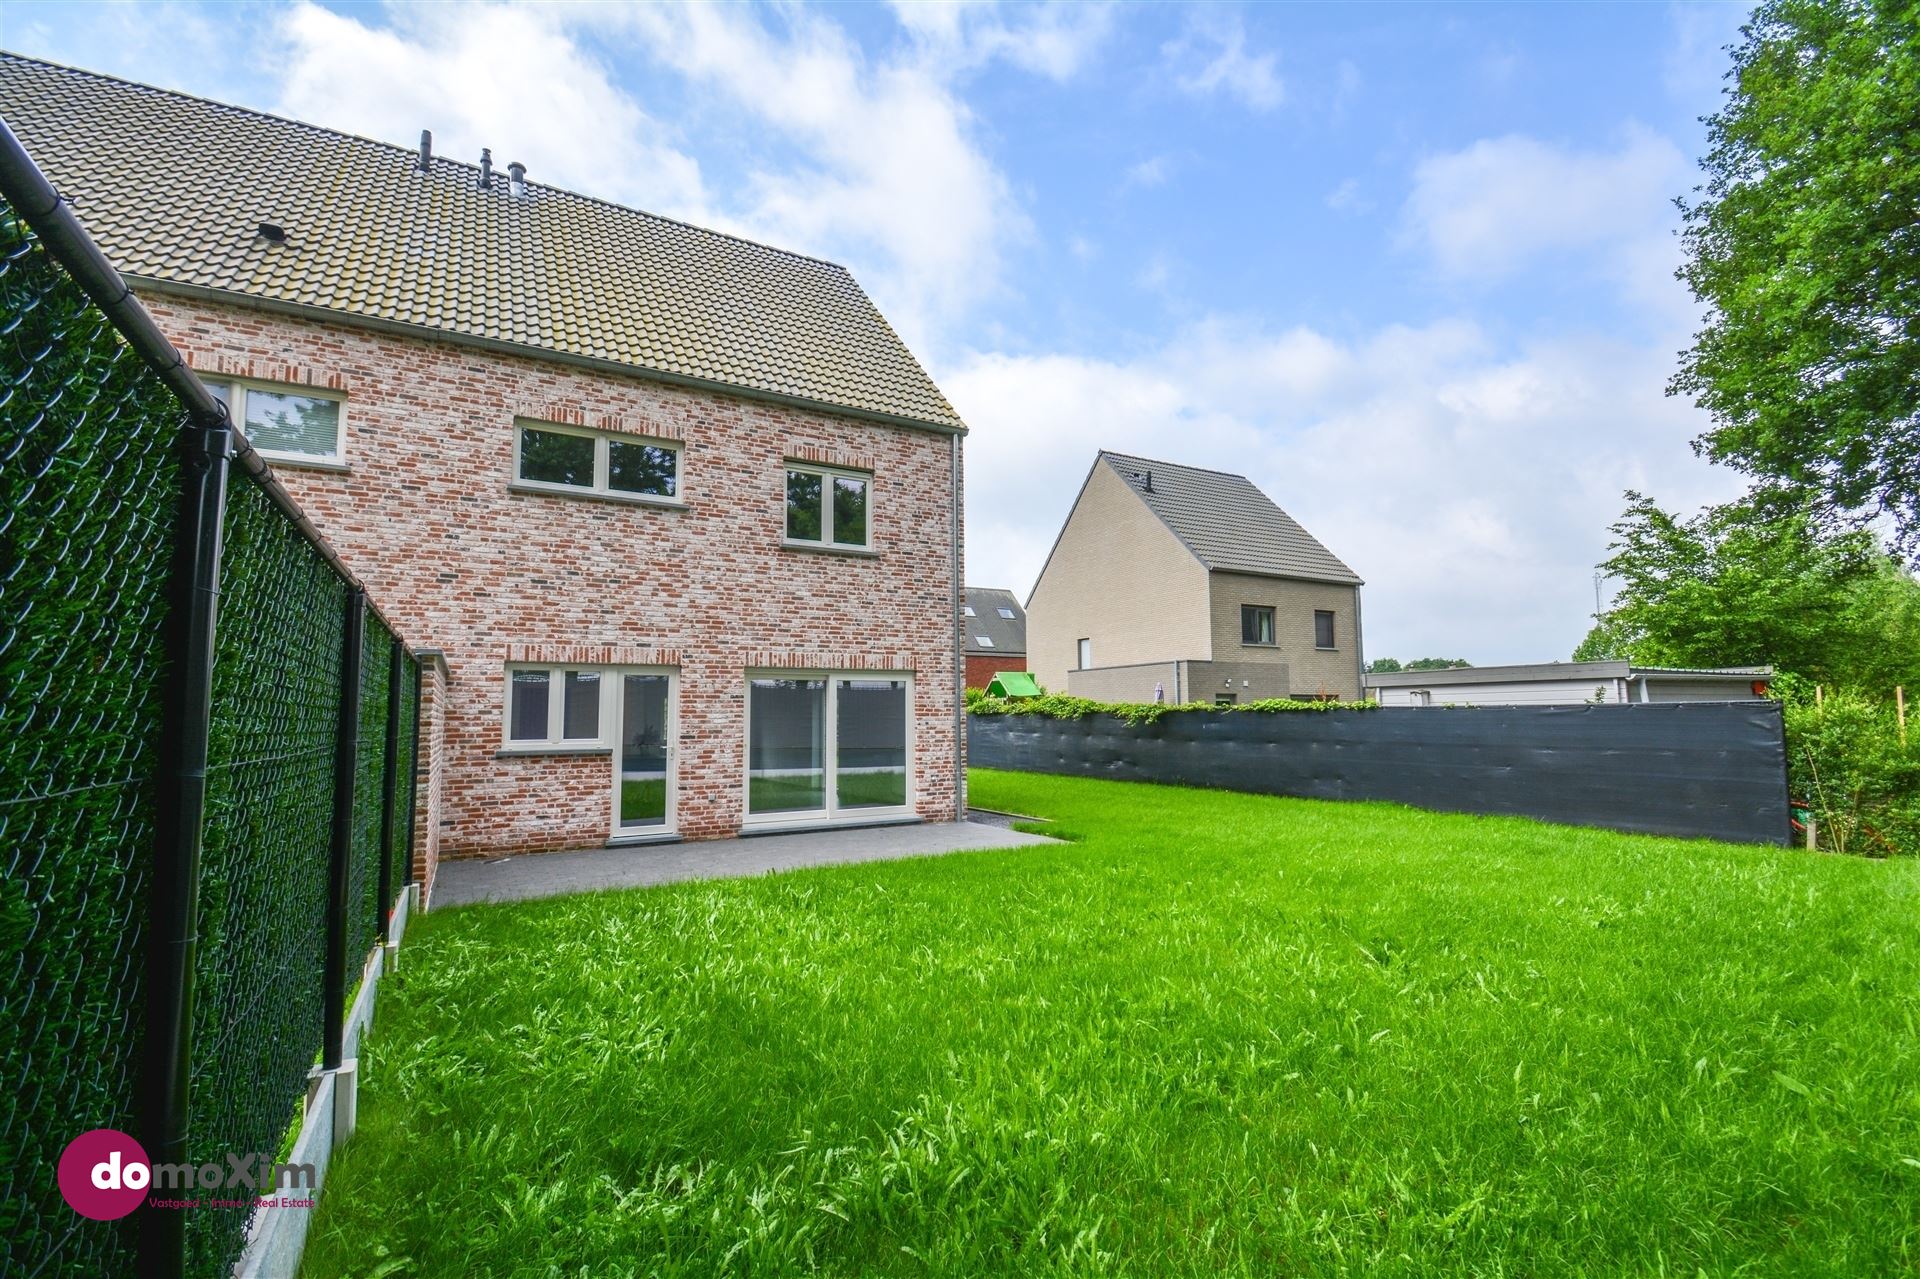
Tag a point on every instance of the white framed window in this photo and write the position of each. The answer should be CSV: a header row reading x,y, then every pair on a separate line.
x,y
828,746
1086,654
555,707
1007,613
550,458
984,641
829,507
286,423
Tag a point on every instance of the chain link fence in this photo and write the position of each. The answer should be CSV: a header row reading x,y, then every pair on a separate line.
x,y
92,438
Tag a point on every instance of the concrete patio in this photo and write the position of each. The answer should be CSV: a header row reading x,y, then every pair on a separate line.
x,y
557,874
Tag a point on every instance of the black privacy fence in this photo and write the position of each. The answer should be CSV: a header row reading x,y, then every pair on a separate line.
x,y
1710,769
207,744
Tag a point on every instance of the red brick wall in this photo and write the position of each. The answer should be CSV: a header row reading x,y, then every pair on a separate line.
x,y
981,668
422,513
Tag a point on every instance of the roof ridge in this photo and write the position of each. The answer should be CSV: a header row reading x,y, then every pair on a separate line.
x,y
1182,466
8,54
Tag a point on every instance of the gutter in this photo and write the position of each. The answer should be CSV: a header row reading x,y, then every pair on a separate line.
x,y
500,346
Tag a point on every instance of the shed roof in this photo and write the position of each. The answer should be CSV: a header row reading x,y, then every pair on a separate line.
x,y
1550,671
174,189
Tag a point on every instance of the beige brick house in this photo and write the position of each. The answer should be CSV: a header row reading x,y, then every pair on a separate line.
x,y
1187,585
681,511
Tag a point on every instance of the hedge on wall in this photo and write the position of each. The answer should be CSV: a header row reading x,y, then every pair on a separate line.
x,y
1066,706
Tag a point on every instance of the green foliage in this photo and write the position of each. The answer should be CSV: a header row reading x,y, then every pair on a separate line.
x,y
1218,1035
1846,762
1759,581
1388,665
1067,706
1802,244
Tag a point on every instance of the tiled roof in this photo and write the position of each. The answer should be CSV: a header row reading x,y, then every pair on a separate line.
x,y
1009,635
175,188
1228,524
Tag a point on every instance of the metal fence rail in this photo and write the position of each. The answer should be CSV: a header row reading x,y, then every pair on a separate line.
x,y
197,860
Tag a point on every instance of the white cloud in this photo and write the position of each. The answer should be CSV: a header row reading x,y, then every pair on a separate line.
x,y
513,79
1055,40
1348,198
1150,172
1487,211
1470,485
1217,61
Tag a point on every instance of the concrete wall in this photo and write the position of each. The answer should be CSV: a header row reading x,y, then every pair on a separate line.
x,y
1119,577
1182,681
422,512
1312,670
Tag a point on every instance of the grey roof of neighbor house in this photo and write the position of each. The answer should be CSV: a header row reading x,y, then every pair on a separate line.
x,y
1009,634
174,188
1227,523
1560,670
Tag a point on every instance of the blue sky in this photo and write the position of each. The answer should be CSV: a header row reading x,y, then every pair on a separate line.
x,y
1408,267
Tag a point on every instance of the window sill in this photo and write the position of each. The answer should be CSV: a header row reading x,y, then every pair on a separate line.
x,y
822,548
588,495
280,462
1318,649
1251,644
523,752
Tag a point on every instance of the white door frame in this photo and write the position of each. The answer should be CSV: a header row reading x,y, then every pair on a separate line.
x,y
616,717
830,812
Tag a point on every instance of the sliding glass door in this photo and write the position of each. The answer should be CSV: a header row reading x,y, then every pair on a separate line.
x,y
827,746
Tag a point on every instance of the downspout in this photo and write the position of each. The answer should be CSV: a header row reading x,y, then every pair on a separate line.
x,y
1359,651
959,642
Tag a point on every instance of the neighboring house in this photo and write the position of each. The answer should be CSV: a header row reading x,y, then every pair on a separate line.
x,y
994,630
1568,684
680,510
1191,585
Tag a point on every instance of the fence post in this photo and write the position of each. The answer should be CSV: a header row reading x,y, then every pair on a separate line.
x,y
174,904
413,789
345,743
389,783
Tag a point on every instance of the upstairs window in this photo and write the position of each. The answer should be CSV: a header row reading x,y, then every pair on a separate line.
x,y
284,424
1007,613
983,641
1322,628
568,459
1086,654
967,609
828,507
1256,625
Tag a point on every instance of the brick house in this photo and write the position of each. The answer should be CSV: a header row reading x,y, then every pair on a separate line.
x,y
1191,585
993,633
679,513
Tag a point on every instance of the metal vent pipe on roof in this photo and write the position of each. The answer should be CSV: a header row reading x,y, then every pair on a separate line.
x,y
486,168
426,150
517,178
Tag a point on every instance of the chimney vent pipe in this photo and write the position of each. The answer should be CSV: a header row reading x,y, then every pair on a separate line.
x,y
486,168
517,178
426,150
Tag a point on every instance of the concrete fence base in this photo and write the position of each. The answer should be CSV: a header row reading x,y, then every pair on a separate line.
x,y
277,1236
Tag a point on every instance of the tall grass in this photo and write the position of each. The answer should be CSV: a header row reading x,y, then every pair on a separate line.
x,y
1218,1034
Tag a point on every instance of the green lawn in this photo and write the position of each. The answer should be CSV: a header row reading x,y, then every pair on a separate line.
x,y
1218,1034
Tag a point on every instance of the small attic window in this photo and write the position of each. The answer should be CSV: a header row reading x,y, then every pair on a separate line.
x,y
984,641
1007,613
967,609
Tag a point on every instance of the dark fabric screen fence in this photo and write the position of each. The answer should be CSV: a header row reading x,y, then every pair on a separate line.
x,y
1711,769
127,508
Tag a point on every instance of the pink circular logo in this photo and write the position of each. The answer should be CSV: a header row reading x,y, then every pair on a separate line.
x,y
104,1174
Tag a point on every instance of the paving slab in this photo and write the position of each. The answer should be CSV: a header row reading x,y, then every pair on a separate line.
x,y
464,881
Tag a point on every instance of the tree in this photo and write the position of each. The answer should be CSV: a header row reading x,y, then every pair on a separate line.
x,y
1805,245
1762,581
1438,664
1383,666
